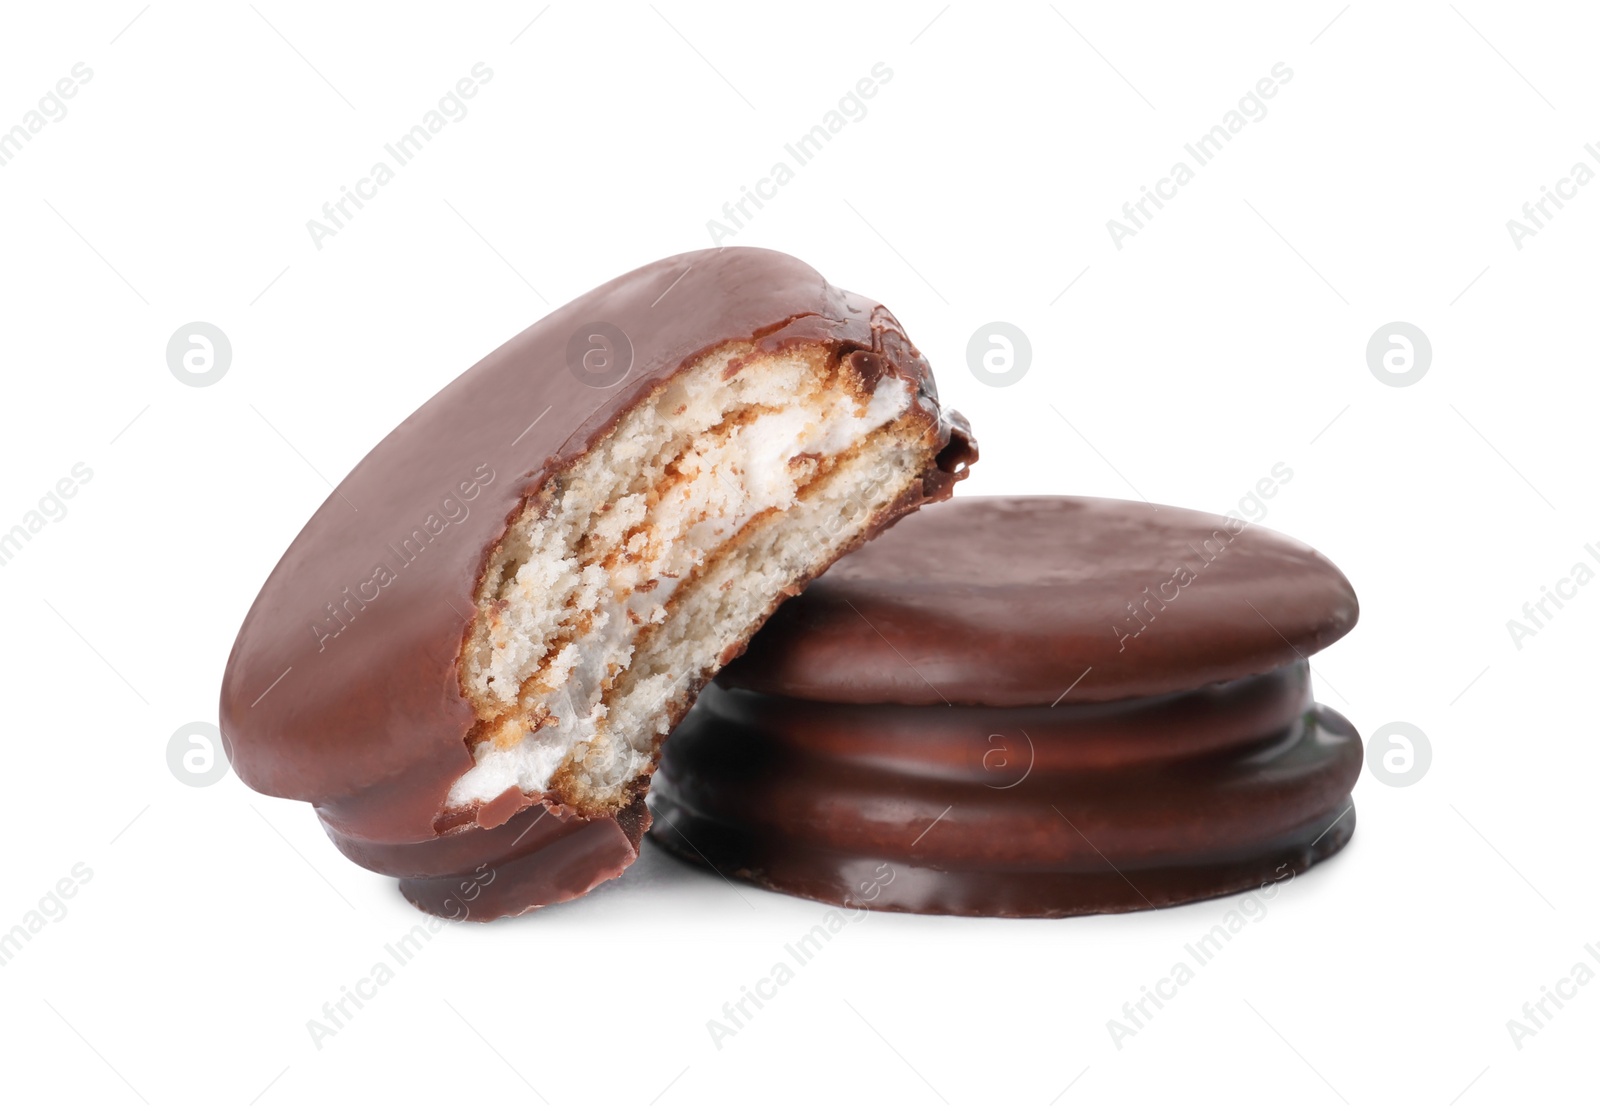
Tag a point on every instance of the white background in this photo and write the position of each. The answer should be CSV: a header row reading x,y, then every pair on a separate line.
x,y
1228,335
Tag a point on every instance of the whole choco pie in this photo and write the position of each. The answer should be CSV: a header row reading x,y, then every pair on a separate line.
x,y
468,658
1028,707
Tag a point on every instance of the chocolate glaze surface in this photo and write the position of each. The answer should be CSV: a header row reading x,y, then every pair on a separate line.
x,y
1025,707
1011,811
342,687
1011,601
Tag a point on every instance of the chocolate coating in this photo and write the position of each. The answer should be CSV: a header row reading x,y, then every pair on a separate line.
x,y
342,688
967,705
1009,601
813,800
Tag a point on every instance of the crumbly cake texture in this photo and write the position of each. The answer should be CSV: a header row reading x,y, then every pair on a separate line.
x,y
633,574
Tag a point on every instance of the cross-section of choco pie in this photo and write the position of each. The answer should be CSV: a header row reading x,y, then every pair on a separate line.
x,y
469,657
